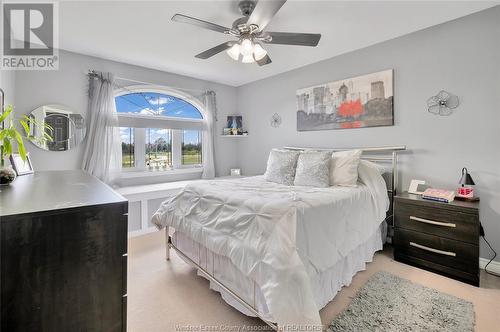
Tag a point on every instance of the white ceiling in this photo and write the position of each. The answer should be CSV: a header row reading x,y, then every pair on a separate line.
x,y
141,32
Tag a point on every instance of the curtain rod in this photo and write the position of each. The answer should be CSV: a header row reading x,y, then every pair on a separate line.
x,y
91,71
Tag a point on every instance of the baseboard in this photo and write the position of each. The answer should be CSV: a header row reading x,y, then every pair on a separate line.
x,y
493,267
154,229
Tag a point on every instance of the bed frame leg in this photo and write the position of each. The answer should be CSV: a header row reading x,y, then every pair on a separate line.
x,y
167,244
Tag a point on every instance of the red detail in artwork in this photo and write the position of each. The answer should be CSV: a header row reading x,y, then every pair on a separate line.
x,y
352,124
351,108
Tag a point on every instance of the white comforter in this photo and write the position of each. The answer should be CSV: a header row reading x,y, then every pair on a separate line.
x,y
278,235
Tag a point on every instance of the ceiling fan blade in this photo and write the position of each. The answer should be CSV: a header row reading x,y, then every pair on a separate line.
x,y
291,38
264,11
202,24
264,61
215,50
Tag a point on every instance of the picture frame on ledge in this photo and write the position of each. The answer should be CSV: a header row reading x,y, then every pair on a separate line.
x,y
234,126
234,121
21,167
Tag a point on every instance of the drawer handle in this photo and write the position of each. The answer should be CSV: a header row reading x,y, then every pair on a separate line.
x,y
432,222
437,251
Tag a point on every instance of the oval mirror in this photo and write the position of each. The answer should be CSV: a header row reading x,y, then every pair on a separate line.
x,y
68,127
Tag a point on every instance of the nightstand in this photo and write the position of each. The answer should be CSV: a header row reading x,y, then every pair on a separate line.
x,y
440,237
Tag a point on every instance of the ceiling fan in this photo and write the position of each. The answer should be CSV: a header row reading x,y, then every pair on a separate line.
x,y
249,30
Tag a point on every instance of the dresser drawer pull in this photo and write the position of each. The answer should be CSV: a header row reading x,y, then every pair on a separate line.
x,y
437,251
432,222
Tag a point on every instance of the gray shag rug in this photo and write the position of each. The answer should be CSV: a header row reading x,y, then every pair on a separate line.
x,y
389,303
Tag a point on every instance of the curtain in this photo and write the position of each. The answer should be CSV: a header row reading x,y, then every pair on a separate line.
x,y
102,156
208,135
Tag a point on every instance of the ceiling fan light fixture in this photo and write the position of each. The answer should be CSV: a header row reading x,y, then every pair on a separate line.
x,y
234,52
250,33
248,59
247,47
259,52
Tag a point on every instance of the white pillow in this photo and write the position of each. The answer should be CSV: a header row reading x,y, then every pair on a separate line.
x,y
370,174
367,170
344,168
313,169
380,168
281,166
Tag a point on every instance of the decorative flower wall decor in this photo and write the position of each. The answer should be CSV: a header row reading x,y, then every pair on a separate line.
x,y
275,120
443,103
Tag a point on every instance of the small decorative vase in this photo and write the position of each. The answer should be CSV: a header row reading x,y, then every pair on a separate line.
x,y
7,175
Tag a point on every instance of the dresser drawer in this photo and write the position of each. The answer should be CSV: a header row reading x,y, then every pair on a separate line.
x,y
438,221
442,251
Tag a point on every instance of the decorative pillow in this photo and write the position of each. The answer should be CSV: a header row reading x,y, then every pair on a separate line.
x,y
281,166
380,168
344,168
313,169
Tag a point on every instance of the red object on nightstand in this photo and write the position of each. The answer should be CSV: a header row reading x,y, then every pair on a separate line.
x,y
466,192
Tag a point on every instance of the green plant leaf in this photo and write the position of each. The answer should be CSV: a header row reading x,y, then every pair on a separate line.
x,y
26,127
20,144
6,113
44,129
11,132
22,150
7,147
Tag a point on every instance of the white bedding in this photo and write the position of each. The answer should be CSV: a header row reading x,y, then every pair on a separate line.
x,y
278,236
325,285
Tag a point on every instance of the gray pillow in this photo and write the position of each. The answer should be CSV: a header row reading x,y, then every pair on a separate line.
x,y
281,166
313,169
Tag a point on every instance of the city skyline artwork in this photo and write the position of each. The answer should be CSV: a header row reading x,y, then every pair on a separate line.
x,y
357,102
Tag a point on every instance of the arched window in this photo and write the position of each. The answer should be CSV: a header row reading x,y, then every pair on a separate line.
x,y
156,104
160,128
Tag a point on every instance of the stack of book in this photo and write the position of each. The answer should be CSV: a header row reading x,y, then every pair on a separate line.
x,y
439,195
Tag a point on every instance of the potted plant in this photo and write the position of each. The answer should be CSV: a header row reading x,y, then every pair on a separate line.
x,y
9,135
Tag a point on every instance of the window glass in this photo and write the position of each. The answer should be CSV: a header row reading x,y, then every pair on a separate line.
x,y
191,147
156,104
158,149
127,137
151,148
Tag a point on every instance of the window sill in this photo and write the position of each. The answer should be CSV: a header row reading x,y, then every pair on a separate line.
x,y
143,174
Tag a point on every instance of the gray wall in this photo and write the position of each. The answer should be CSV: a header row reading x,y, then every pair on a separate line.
x,y
7,83
461,56
68,86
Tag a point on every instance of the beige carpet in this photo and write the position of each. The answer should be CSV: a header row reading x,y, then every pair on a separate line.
x,y
169,296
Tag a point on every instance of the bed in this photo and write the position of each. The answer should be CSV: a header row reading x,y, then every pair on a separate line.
x,y
278,252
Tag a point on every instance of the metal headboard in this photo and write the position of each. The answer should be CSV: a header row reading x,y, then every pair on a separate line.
x,y
375,154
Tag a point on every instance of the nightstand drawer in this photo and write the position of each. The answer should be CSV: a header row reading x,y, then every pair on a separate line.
x,y
438,221
457,255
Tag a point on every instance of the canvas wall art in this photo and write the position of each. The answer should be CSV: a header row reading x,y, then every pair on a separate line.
x,y
363,101
235,121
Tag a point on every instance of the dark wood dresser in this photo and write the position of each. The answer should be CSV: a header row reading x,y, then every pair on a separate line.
x,y
63,258
440,237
